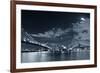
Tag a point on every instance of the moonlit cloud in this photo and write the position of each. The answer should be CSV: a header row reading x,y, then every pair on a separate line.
x,y
83,30
52,33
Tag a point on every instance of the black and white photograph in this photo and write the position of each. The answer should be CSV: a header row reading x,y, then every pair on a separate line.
x,y
48,36
52,36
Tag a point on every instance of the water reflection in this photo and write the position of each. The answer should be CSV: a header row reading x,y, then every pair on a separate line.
x,y
27,57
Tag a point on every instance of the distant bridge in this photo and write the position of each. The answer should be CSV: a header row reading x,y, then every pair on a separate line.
x,y
38,44
28,39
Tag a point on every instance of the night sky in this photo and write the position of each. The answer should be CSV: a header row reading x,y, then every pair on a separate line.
x,y
41,21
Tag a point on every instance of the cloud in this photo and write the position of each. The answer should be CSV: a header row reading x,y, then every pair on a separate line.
x,y
53,33
83,30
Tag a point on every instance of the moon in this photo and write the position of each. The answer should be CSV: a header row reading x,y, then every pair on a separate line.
x,y
83,19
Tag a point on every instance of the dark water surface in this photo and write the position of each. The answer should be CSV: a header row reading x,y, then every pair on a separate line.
x,y
28,57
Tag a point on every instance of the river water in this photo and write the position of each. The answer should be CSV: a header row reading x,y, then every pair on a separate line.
x,y
28,57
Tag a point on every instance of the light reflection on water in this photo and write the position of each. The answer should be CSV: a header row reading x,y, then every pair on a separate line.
x,y
27,57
